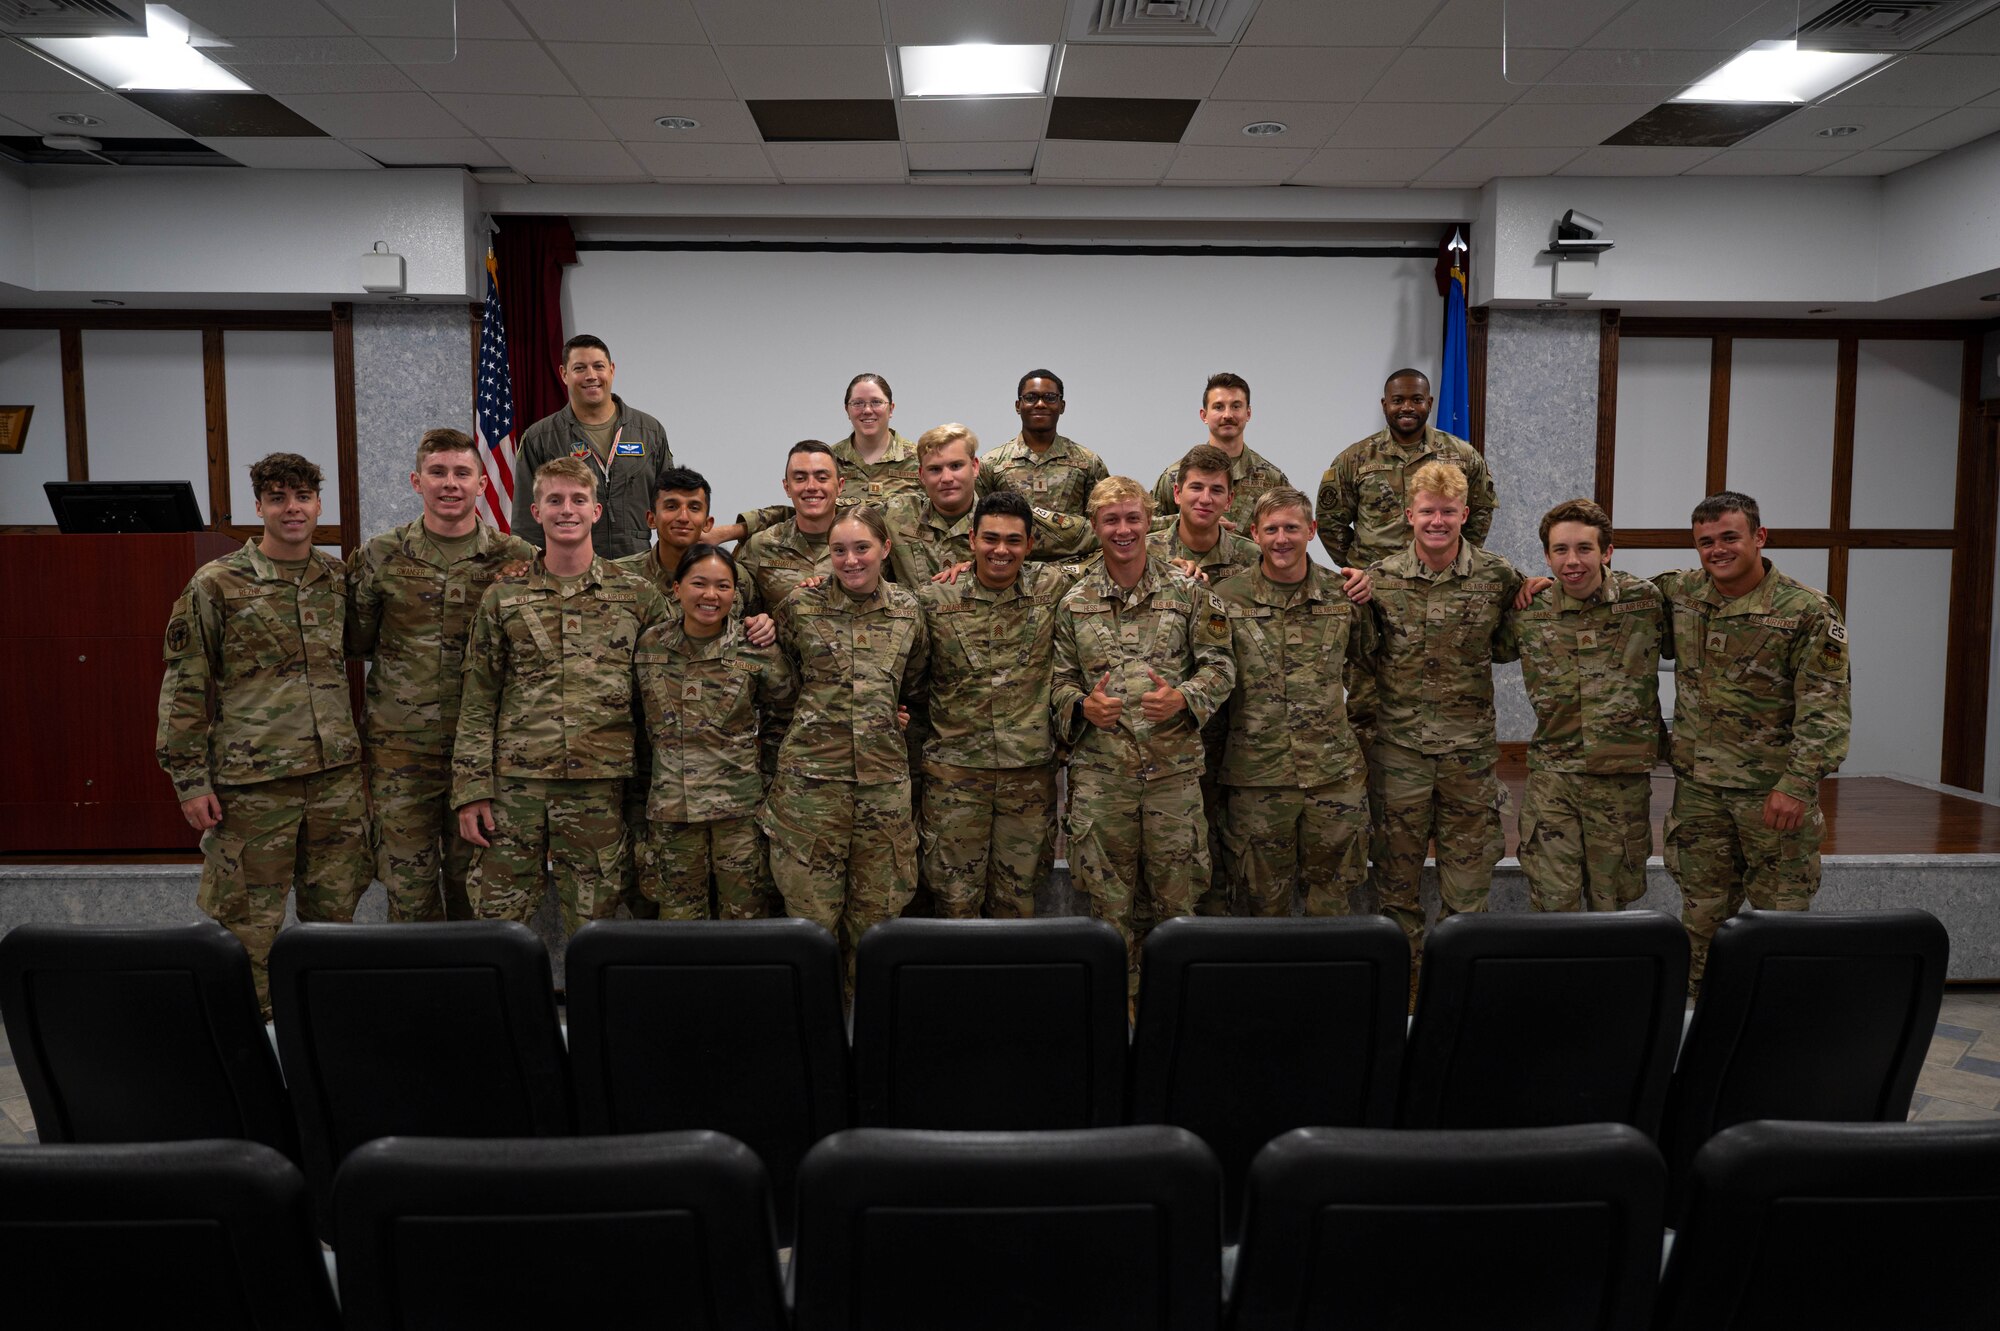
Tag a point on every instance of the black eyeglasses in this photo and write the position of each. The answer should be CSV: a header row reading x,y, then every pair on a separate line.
x,y
1037,399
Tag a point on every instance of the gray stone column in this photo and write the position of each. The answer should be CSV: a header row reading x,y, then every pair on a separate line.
x,y
412,372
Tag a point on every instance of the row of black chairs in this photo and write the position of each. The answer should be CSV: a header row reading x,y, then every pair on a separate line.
x,y
1246,1029
1790,1225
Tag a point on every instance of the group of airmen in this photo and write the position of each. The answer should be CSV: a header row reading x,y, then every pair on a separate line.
x,y
866,709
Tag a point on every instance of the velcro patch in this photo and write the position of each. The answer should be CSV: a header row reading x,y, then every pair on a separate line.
x,y
637,450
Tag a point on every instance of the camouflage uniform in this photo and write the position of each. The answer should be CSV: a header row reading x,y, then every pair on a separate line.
x,y
1761,704
1592,668
843,842
1362,496
1059,479
624,482
1298,784
409,609
545,731
254,710
924,542
1250,475
707,702
1135,815
774,561
1431,769
894,473
987,821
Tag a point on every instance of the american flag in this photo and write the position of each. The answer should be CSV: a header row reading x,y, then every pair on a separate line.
x,y
494,408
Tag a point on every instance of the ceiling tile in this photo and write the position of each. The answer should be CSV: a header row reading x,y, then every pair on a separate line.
x,y
972,156
1337,22
704,161
790,22
1447,75
825,120
396,115
542,158
504,116
23,71
1139,71
293,154
522,68
1555,23
947,22
1484,164
1637,161
1556,126
664,22
1135,119
1344,166
807,71
1874,162
1948,130
1926,80
1801,128
1304,73
972,120
619,69
15,129
429,152
122,120
1260,166
258,18
226,114
1994,100
1699,124
1765,162
492,19
631,118
1086,160
1589,94
1692,25
837,161
1462,23
1639,74
353,68
1979,37
1405,125
1220,124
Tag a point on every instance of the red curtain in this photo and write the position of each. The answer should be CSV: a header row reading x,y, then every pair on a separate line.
x,y
532,253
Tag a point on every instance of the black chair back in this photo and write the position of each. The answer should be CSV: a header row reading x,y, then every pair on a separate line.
x,y
1806,1015
140,1035
1879,1225
433,1030
215,1235
1250,1028
1539,1020
1115,1229
990,1024
663,1229
732,1025
1524,1229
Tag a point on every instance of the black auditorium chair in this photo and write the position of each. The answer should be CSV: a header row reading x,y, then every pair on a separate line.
x,y
1115,1229
141,1034
419,1030
1877,1225
1806,1015
990,1024
1537,1020
1250,1028
734,1025
196,1234
1535,1229
660,1229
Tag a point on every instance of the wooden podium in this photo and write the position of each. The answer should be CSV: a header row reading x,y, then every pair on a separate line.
x,y
81,624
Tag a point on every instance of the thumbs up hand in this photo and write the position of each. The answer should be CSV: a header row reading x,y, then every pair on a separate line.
x,y
1100,708
1161,701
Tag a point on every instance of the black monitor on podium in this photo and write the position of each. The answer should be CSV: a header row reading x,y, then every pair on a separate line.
x,y
96,507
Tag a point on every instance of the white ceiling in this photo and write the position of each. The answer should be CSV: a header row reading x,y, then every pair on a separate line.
x,y
1375,92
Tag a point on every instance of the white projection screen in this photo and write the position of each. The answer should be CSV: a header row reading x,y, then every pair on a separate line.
x,y
740,353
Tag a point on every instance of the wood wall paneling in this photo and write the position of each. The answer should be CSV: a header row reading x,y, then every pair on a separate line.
x,y
1969,644
345,440
1841,508
1718,416
76,435
215,395
1607,406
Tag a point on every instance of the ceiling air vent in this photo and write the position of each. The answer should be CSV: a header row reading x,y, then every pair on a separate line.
x,y
1886,25
68,18
1166,22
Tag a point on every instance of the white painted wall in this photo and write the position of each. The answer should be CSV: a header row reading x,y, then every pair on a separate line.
x,y
1941,218
1905,433
1897,621
279,388
31,375
144,408
17,229
738,364
1781,397
1662,430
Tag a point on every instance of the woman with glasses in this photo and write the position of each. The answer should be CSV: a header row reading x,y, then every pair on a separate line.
x,y
876,460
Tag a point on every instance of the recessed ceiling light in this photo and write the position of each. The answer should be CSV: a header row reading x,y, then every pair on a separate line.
x,y
1264,128
1781,72
677,122
404,300
1838,131
974,69
1551,304
164,60
1991,295
106,300
1823,309
75,118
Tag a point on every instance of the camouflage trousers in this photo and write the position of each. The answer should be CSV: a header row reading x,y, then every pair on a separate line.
x,y
1284,840
419,855
843,853
679,860
308,832
1585,838
988,838
1452,798
640,903
1216,895
1131,839
578,826
1719,851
